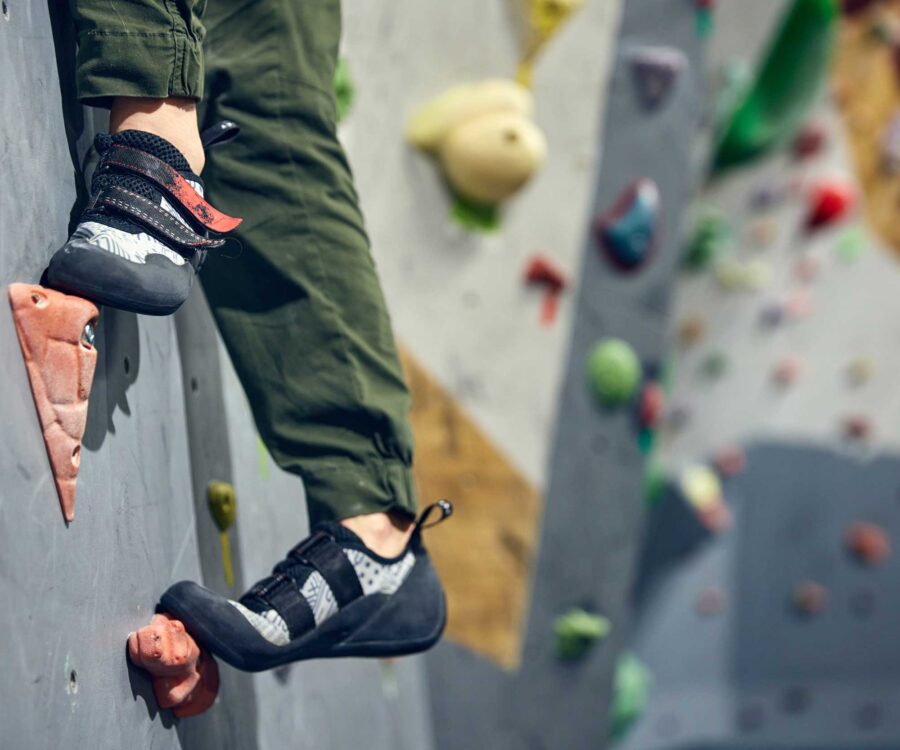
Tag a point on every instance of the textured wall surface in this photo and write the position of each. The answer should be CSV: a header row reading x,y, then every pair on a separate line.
x,y
157,434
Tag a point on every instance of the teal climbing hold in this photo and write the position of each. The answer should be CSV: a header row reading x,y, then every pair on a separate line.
x,y
576,631
628,231
784,87
614,371
631,689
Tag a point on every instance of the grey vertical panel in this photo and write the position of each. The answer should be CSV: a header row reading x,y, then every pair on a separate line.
x,y
593,501
71,595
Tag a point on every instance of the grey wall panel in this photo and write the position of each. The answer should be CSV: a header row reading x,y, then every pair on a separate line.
x,y
593,502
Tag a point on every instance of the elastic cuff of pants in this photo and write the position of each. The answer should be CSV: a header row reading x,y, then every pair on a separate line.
x,y
152,66
345,488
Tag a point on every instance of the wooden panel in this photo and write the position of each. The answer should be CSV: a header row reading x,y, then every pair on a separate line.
x,y
485,553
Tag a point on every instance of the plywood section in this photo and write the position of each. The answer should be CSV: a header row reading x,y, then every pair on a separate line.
x,y
865,78
485,553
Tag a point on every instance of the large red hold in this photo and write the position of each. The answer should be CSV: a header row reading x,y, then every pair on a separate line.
x,y
869,543
830,200
185,677
56,335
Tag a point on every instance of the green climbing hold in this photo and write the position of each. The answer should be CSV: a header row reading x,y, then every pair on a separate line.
x,y
785,85
631,690
851,244
475,217
709,237
654,483
714,365
344,89
576,631
614,371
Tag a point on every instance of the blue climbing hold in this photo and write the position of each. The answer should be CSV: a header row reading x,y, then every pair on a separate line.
x,y
655,71
628,231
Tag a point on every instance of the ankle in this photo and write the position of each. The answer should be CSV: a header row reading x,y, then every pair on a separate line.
x,y
386,534
173,119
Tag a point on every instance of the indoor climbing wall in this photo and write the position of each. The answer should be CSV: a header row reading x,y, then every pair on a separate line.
x,y
546,480
764,609
166,417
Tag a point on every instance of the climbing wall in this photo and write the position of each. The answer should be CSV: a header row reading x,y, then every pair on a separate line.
x,y
776,628
166,417
547,484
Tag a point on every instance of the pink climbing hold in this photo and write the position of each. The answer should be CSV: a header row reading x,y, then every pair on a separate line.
x,y
830,201
869,543
185,677
541,271
730,460
809,598
55,332
787,370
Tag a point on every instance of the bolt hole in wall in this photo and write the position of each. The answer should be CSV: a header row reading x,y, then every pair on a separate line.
x,y
73,682
194,385
4,8
127,365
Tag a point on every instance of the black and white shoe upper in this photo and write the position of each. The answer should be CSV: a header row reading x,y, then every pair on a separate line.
x,y
145,232
331,596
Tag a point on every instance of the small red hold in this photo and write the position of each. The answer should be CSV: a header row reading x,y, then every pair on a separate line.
x,y
652,404
730,460
857,427
185,677
541,271
809,598
867,542
810,140
830,200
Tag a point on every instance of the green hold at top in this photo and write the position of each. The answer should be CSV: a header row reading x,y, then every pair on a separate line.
x,y
784,86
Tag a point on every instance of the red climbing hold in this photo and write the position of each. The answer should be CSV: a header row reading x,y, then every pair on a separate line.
x,y
857,427
810,140
869,543
830,200
185,677
653,400
541,271
56,335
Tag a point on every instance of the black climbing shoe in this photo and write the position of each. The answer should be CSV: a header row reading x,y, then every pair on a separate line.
x,y
331,596
146,230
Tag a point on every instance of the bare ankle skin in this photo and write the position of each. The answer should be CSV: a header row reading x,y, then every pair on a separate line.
x,y
174,119
384,533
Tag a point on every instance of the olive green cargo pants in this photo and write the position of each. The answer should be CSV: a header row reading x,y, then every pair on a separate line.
x,y
300,310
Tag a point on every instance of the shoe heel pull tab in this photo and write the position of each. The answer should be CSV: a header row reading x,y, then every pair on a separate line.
x,y
445,507
219,134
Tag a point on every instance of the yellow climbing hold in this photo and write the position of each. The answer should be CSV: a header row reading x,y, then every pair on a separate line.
x,y
701,487
222,501
544,19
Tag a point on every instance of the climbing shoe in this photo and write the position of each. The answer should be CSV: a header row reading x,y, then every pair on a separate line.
x,y
331,596
145,231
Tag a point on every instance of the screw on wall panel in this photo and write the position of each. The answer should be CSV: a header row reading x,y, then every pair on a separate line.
x,y
194,385
73,682
4,7
127,365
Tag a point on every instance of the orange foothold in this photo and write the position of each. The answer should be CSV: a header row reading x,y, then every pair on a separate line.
x,y
185,677
55,332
